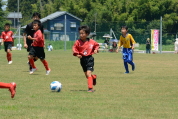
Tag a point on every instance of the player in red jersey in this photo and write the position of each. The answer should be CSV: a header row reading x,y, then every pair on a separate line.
x,y
84,48
37,49
8,40
10,86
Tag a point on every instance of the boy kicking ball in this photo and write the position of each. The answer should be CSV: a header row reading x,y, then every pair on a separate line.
x,y
37,49
84,48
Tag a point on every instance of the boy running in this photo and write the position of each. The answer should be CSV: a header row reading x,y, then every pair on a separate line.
x,y
29,31
10,86
37,49
127,41
84,48
8,40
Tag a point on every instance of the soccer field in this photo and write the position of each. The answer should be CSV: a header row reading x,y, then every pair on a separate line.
x,y
150,92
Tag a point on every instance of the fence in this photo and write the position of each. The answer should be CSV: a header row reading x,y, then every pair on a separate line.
x,y
139,30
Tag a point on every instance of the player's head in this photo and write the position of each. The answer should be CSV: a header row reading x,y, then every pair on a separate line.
x,y
124,29
36,16
36,24
84,31
7,26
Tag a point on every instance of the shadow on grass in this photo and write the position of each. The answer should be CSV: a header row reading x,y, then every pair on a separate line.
x,y
79,90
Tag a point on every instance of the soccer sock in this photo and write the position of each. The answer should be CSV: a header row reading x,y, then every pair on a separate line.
x,y
126,66
32,63
9,55
90,82
5,85
93,76
45,63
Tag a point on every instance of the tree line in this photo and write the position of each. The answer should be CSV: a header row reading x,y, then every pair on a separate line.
x,y
139,15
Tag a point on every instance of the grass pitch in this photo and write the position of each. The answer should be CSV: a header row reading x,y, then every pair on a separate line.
x,y
150,92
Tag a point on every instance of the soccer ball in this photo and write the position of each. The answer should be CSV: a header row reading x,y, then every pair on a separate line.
x,y
56,86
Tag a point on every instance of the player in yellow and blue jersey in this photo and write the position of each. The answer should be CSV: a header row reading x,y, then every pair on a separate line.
x,y
127,41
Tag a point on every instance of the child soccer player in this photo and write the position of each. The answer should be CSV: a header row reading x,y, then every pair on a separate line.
x,y
10,86
29,31
84,48
127,41
37,48
7,37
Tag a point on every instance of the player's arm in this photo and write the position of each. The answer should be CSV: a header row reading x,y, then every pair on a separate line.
x,y
75,50
96,47
119,45
30,38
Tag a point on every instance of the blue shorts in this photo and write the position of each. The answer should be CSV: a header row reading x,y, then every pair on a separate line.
x,y
127,54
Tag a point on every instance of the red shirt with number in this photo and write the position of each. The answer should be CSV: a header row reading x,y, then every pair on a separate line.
x,y
7,36
85,48
39,40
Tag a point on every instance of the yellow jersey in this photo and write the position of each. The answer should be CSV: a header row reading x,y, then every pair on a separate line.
x,y
127,41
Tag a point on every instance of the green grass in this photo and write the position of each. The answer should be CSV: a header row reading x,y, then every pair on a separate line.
x,y
150,92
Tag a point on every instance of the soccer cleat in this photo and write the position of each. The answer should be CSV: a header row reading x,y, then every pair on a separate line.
x,y
33,70
10,62
94,79
133,67
12,89
127,72
48,71
90,90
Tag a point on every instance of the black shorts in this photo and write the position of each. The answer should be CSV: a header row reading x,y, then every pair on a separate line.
x,y
87,63
7,45
37,52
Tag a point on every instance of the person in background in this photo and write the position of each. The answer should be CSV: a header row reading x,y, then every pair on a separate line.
x,y
50,47
148,46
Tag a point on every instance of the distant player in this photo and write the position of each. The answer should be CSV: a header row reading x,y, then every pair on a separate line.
x,y
84,48
29,31
127,41
10,86
8,40
37,49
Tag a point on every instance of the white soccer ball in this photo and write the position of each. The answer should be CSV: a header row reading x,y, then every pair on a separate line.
x,y
56,86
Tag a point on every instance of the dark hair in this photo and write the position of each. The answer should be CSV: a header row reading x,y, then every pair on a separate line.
x,y
85,28
125,27
37,22
36,14
7,24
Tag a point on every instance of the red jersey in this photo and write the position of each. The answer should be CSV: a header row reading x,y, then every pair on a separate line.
x,y
7,36
85,48
39,40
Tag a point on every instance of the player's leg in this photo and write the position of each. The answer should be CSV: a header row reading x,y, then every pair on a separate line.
x,y
10,86
90,69
31,55
130,59
9,54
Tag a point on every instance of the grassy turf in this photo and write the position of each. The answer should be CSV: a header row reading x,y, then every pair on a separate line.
x,y
150,92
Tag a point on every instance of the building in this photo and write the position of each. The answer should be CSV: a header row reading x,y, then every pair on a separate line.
x,y
13,17
54,26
